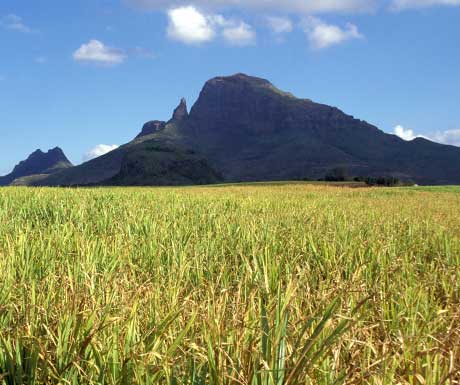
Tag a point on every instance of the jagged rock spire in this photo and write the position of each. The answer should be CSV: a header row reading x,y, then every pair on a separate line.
x,y
181,111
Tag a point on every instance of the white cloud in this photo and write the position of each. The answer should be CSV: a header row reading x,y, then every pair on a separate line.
x,y
407,134
322,35
284,6
96,52
191,26
188,25
15,23
451,137
240,34
280,25
99,150
403,133
407,4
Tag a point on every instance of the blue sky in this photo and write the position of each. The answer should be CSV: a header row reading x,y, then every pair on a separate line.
x,y
79,74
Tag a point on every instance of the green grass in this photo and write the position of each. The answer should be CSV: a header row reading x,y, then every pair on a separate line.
x,y
258,285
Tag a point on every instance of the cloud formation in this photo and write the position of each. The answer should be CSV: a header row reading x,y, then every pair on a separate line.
x,y
199,21
280,25
451,137
188,25
285,6
15,23
405,134
239,34
96,52
99,150
191,26
323,35
408,4
293,6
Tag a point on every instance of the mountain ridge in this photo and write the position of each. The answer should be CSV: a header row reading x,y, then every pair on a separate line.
x,y
243,129
38,163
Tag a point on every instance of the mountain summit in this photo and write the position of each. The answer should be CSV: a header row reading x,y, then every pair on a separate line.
x,y
181,112
243,128
38,163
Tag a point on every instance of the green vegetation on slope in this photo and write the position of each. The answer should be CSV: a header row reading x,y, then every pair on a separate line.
x,y
259,285
151,164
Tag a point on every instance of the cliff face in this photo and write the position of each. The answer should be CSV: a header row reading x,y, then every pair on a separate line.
x,y
38,162
251,131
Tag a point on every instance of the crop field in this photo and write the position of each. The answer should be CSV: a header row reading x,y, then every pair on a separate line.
x,y
258,285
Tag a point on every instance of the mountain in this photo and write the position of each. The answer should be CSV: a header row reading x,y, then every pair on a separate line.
x,y
243,128
157,156
38,164
250,130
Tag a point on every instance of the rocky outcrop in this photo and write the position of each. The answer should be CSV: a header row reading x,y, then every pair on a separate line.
x,y
152,127
181,112
38,163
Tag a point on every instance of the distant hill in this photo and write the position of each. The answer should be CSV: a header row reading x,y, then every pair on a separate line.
x,y
242,128
37,164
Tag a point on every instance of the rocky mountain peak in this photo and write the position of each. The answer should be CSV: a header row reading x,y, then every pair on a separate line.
x,y
39,158
244,106
181,111
239,78
38,162
152,127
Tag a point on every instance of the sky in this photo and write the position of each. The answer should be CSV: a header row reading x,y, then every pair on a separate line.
x,y
85,75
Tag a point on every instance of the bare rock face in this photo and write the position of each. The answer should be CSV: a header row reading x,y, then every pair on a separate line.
x,y
38,162
252,131
152,127
181,112
246,105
